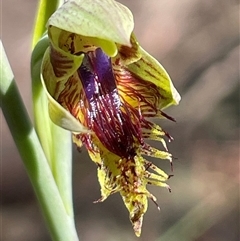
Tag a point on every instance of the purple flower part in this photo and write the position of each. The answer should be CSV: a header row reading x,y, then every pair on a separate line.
x,y
107,116
96,74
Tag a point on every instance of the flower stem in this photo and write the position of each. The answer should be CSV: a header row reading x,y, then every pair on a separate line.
x,y
56,142
45,9
60,224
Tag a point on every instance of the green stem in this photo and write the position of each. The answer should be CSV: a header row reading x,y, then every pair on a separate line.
x,y
45,9
55,141
60,224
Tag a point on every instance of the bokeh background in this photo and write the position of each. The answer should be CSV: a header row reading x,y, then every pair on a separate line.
x,y
197,41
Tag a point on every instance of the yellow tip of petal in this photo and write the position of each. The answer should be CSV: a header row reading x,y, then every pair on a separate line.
x,y
137,226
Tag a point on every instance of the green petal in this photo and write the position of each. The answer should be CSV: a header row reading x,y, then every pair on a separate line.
x,y
75,43
149,69
102,19
63,118
57,113
57,67
64,63
129,55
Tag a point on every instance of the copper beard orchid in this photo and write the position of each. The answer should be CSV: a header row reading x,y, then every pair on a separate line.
x,y
104,87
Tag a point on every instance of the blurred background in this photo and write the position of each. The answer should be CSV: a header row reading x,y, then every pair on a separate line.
x,y
197,41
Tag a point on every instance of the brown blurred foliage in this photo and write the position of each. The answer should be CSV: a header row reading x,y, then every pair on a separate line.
x,y
197,41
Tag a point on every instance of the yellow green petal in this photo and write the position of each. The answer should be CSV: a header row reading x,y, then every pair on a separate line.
x,y
102,19
74,43
149,69
128,55
137,204
57,113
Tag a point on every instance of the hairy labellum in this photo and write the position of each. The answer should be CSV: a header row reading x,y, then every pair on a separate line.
x,y
106,116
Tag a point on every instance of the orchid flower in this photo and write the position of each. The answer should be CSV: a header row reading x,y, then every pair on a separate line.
x,y
104,88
